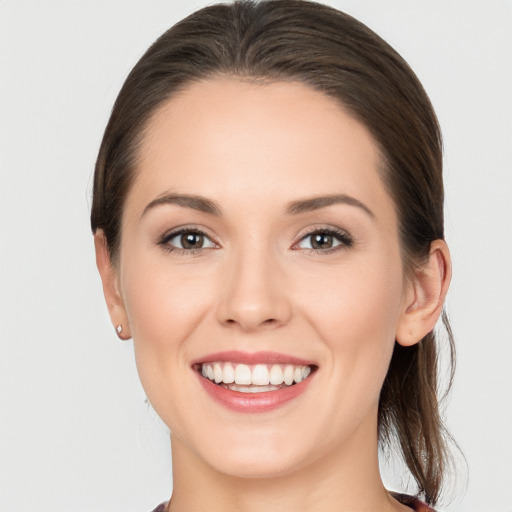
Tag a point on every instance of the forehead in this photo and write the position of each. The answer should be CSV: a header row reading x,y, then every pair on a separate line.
x,y
226,138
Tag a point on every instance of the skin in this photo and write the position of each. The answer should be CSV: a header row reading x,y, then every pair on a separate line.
x,y
253,149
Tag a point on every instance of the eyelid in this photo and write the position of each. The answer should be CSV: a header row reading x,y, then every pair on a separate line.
x,y
164,239
343,236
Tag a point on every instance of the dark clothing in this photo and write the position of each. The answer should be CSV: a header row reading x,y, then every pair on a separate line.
x,y
410,501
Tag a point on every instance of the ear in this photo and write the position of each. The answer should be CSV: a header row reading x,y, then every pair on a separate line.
x,y
425,296
110,280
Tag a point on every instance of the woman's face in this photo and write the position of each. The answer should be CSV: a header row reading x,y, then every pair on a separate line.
x,y
259,243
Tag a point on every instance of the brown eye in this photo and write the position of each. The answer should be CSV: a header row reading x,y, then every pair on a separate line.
x,y
192,240
325,240
187,240
321,241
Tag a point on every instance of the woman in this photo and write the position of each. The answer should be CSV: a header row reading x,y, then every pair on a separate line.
x,y
268,222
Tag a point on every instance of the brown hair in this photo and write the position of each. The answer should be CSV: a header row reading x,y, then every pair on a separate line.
x,y
298,40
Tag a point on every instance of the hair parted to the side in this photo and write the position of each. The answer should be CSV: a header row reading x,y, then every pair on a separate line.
x,y
299,40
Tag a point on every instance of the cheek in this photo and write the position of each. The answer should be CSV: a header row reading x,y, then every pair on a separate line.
x,y
356,316
358,298
164,306
160,305
164,300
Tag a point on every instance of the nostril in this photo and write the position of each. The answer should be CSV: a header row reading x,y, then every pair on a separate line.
x,y
268,321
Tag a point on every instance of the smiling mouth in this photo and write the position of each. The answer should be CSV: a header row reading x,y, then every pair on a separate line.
x,y
257,378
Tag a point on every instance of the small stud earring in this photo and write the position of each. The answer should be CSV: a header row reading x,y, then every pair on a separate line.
x,y
120,335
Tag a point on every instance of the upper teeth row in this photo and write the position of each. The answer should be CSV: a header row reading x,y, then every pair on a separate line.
x,y
259,374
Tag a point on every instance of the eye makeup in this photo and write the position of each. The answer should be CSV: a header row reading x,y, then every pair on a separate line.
x,y
324,240
186,241
191,240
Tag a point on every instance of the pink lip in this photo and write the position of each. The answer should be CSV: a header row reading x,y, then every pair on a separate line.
x,y
252,402
264,357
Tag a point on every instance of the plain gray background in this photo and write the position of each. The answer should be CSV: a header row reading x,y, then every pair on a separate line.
x,y
75,431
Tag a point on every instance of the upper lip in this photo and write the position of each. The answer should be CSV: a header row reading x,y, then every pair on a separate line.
x,y
262,357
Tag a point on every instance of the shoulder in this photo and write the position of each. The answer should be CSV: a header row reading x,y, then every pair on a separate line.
x,y
412,502
160,508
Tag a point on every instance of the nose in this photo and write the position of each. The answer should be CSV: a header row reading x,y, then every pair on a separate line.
x,y
254,294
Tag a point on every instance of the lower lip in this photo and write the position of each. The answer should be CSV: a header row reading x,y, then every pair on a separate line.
x,y
253,402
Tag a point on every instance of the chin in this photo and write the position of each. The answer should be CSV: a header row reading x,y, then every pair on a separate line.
x,y
257,468
256,457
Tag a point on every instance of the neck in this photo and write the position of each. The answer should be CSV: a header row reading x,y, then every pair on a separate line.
x,y
346,480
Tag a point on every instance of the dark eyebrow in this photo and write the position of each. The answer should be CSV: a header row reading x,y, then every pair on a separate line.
x,y
187,201
315,203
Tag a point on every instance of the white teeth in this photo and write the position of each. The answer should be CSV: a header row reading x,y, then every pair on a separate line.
x,y
228,375
260,375
276,375
217,372
256,378
243,374
251,389
288,375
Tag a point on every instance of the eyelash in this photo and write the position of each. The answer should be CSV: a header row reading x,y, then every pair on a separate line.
x,y
165,239
346,241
